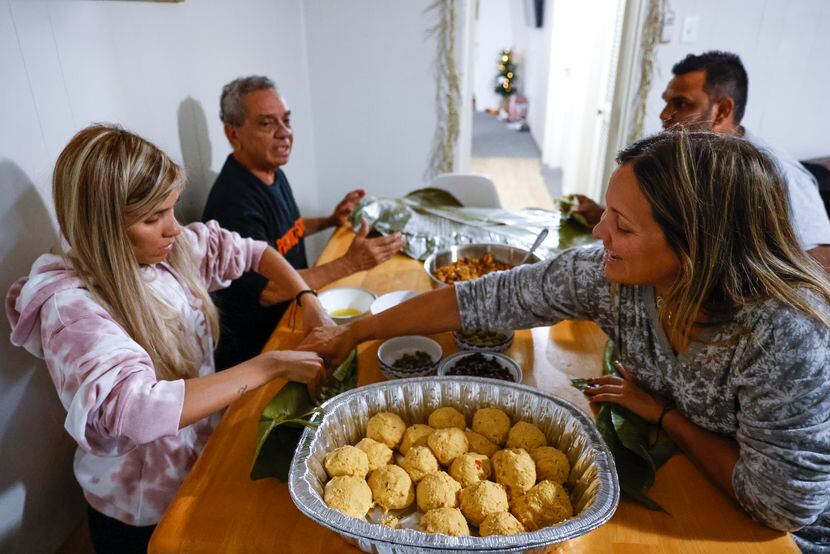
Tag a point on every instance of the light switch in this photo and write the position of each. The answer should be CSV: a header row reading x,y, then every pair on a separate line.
x,y
667,32
691,27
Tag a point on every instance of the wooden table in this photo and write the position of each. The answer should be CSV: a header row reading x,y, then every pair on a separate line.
x,y
219,509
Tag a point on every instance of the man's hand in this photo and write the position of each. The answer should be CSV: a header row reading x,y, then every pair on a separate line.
x,y
365,253
589,209
344,209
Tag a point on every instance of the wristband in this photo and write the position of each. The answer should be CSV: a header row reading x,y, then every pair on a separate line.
x,y
300,294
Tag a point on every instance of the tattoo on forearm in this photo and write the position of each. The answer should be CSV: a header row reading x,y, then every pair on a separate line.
x,y
243,389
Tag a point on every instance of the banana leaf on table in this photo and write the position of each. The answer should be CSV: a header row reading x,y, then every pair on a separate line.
x,y
433,219
286,416
627,436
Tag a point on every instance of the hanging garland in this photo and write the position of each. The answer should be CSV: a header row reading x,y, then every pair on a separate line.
x,y
447,90
648,43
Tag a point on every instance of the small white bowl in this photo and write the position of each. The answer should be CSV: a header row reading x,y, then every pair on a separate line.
x,y
506,362
392,299
391,350
346,298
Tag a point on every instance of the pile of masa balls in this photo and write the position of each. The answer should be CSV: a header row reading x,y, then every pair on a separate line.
x,y
500,477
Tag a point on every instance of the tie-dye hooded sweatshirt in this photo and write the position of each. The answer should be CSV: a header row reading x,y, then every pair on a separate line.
x,y
131,455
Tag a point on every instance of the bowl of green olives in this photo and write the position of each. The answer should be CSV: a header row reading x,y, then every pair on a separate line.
x,y
483,340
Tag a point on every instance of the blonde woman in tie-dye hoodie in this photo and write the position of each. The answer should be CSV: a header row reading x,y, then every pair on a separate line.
x,y
127,328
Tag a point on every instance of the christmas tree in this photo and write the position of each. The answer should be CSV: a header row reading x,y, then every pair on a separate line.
x,y
506,76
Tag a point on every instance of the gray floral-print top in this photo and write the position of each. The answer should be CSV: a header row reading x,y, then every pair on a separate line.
x,y
763,380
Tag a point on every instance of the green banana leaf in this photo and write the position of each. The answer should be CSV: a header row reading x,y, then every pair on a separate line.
x,y
286,416
431,197
627,436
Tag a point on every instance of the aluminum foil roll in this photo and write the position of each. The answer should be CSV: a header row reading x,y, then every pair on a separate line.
x,y
593,480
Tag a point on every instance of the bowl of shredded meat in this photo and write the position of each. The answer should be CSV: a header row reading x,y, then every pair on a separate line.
x,y
471,261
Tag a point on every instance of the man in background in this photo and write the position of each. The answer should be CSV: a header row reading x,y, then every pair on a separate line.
x,y
709,92
252,196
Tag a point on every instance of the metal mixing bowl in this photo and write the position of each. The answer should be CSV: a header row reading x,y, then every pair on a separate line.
x,y
504,253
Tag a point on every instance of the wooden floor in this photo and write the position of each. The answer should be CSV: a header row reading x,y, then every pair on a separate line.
x,y
518,181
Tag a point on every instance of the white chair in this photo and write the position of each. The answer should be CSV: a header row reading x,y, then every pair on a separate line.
x,y
474,190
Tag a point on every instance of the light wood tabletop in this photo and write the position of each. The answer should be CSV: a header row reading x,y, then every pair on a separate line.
x,y
219,509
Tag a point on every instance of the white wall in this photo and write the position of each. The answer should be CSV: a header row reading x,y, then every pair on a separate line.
x,y
785,49
360,80
372,74
157,69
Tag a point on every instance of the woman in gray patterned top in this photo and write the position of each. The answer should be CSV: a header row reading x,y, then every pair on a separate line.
x,y
714,308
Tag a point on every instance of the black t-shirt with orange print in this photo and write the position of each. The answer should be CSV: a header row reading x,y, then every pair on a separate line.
x,y
241,202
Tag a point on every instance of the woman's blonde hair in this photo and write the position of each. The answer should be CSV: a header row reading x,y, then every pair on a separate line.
x,y
722,206
105,180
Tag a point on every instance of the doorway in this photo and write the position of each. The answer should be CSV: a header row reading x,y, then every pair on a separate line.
x,y
565,54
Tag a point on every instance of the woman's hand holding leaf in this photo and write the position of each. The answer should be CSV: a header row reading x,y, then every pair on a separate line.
x,y
300,367
623,391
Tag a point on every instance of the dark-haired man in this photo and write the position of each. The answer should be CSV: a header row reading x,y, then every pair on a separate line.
x,y
709,92
252,196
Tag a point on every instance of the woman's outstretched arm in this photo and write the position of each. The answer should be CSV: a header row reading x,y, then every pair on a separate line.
x,y
426,314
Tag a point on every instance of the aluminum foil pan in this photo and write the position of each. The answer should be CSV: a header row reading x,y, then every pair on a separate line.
x,y
595,490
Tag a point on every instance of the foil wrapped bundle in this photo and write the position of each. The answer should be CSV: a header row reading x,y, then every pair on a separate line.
x,y
593,484
432,219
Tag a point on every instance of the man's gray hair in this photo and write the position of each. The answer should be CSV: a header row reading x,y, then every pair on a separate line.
x,y
231,108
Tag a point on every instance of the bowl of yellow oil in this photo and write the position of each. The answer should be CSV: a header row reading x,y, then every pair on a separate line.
x,y
344,304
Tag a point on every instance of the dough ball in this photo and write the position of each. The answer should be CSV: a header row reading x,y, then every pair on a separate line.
x,y
447,417
482,499
420,462
526,435
415,435
347,460
378,453
493,424
502,523
514,468
348,494
480,444
551,464
387,428
437,490
468,469
391,487
447,521
545,504
448,443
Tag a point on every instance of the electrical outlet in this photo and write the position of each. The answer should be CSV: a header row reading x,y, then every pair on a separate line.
x,y
691,28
